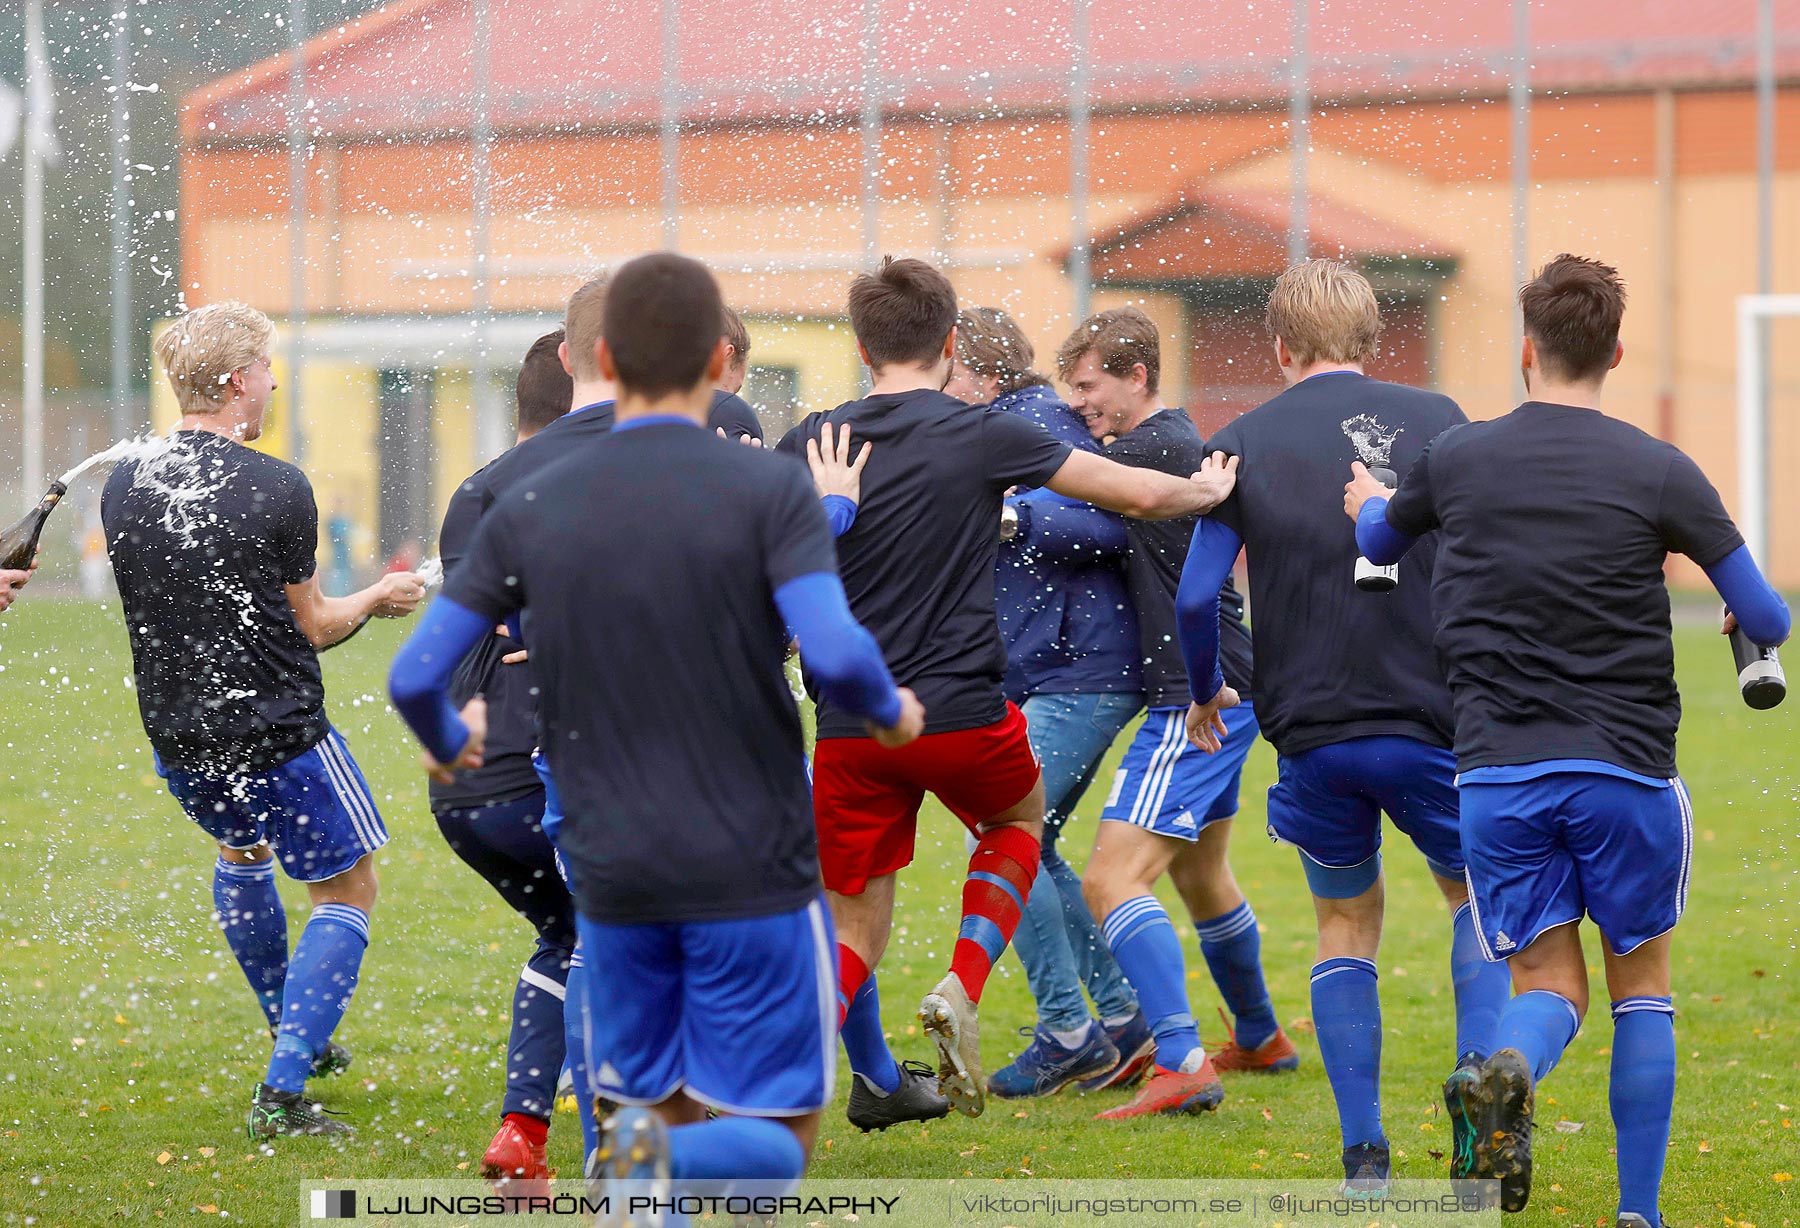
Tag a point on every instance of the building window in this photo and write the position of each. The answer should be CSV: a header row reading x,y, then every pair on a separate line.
x,y
775,393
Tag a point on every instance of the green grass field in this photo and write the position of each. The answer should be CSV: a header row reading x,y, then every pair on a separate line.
x,y
129,1043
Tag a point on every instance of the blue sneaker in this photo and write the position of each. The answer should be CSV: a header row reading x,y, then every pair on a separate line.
x,y
1045,1067
1137,1051
634,1147
1367,1170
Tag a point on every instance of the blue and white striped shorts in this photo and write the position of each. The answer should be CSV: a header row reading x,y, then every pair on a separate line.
x,y
1166,785
315,810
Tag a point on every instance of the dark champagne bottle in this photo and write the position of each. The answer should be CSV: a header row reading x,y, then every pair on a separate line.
x,y
18,545
1760,680
1370,578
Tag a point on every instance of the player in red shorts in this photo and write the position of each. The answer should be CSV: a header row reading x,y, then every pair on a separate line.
x,y
918,565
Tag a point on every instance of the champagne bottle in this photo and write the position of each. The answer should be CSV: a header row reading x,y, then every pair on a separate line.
x,y
1370,578
1760,680
18,545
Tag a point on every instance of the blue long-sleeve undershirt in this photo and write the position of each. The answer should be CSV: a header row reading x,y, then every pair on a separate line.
x,y
843,658
1380,542
419,679
840,513
1210,558
1761,613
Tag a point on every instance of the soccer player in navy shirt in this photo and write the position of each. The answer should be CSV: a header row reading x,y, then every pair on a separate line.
x,y
1170,807
1554,523
1347,688
657,606
212,546
918,565
492,817
1072,667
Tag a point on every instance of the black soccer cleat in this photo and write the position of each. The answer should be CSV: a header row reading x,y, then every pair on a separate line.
x,y
332,1059
1457,1101
1498,1103
1631,1219
916,1099
274,1113
1367,1169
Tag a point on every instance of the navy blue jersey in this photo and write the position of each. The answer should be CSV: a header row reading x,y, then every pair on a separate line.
x,y
918,564
1554,523
1332,662
204,538
511,695
1168,442
658,650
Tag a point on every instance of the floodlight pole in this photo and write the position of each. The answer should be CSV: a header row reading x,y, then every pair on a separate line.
x,y
488,440
1753,444
297,142
1299,134
1081,263
1519,99
871,134
119,419
670,127
31,344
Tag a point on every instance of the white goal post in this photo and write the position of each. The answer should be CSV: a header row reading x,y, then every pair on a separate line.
x,y
1753,313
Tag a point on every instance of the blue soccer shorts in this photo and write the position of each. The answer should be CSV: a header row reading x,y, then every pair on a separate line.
x,y
1166,785
1328,801
742,1014
315,810
1546,851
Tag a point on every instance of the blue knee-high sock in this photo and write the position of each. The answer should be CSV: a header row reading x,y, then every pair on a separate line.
x,y
575,1014
535,1047
864,1044
1233,951
321,977
248,909
1539,1024
1149,953
1346,1008
1482,989
1643,1098
735,1148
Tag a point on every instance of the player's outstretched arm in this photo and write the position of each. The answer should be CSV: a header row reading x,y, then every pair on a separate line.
x,y
328,620
1751,603
1209,562
1145,494
1366,502
419,685
1058,529
844,659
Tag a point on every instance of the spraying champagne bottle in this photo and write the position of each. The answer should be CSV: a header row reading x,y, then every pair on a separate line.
x,y
1370,578
18,545
1760,680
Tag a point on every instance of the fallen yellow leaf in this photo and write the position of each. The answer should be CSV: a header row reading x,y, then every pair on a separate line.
x,y
164,1158
1782,1176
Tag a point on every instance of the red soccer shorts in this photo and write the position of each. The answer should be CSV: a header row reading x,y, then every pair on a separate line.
x,y
866,798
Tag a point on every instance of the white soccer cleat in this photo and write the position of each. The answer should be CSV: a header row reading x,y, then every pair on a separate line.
x,y
949,1019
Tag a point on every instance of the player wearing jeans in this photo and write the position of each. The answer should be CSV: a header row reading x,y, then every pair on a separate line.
x,y
1072,646
674,742
1347,689
1171,806
918,565
1554,523
213,545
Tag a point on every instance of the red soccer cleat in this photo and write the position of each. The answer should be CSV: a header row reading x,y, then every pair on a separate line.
x,y
1274,1056
513,1157
1169,1091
